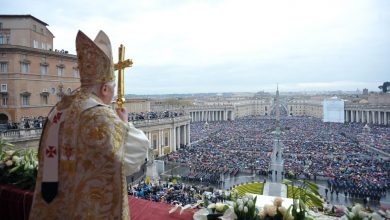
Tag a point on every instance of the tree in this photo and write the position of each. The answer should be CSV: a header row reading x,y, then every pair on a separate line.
x,y
384,87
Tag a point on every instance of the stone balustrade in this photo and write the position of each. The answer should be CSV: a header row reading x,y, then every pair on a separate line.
x,y
17,134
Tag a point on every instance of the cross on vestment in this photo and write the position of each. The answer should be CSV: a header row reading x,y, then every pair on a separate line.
x,y
120,66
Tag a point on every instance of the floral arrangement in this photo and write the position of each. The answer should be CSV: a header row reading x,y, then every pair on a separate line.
x,y
245,208
18,167
217,210
357,213
235,207
275,211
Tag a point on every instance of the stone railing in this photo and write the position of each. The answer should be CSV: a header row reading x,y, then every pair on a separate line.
x,y
161,121
17,134
209,107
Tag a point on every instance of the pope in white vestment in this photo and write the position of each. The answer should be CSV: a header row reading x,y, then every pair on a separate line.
x,y
86,149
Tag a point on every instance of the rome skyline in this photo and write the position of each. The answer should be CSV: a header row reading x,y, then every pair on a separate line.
x,y
231,46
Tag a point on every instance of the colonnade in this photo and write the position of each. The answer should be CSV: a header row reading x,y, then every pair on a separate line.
x,y
172,138
211,115
380,117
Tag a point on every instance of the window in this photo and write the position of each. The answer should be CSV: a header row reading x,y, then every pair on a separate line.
x,y
76,73
4,38
25,100
3,67
25,67
43,45
69,91
60,70
34,27
44,69
53,91
3,88
166,141
44,99
4,100
35,45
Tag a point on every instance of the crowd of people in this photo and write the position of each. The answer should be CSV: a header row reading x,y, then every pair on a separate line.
x,y
174,193
25,123
338,152
153,115
226,147
343,152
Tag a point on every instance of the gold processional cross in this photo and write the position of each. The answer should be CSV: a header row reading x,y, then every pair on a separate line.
x,y
120,66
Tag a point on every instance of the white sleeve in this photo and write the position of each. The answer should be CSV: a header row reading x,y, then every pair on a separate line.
x,y
135,149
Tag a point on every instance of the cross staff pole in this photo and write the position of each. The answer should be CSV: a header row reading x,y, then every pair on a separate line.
x,y
120,66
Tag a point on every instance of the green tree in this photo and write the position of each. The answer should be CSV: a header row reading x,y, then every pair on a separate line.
x,y
384,87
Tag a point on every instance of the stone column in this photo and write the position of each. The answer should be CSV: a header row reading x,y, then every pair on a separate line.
x,y
385,118
178,137
345,115
184,134
351,115
188,134
173,139
159,142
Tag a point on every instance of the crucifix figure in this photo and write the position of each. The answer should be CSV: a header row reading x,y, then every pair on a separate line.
x,y
120,66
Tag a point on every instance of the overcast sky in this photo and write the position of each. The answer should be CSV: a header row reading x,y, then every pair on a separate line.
x,y
181,46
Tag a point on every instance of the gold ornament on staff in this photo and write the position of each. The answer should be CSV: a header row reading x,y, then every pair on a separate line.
x,y
120,66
